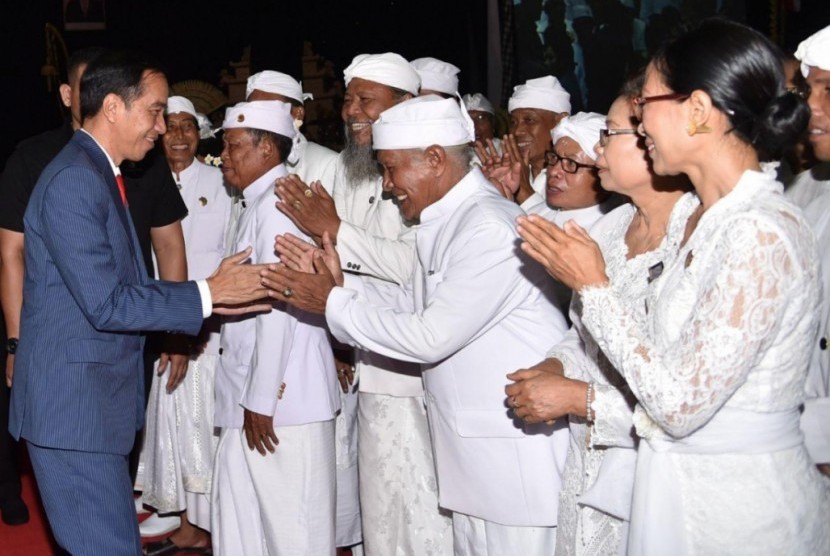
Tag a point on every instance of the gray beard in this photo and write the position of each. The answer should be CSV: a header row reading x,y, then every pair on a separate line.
x,y
359,163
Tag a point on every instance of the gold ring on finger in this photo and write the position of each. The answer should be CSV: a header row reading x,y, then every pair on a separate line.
x,y
297,205
308,192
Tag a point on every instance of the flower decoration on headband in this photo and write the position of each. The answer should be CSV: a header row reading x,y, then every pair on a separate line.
x,y
215,161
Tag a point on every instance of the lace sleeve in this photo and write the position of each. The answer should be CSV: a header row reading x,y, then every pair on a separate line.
x,y
612,424
741,288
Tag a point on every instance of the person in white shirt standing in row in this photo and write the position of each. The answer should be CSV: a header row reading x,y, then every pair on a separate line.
x,y
176,462
811,191
398,488
276,385
474,309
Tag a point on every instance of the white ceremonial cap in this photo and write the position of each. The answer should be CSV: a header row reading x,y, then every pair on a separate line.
x,y
205,128
268,115
582,127
478,102
180,104
544,93
436,75
421,122
814,51
277,83
388,69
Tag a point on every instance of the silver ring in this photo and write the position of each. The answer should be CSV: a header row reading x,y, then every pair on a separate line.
x,y
287,292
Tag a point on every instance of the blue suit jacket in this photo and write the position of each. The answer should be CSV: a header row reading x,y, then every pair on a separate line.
x,y
78,377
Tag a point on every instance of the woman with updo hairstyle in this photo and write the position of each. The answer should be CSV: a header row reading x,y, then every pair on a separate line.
x,y
718,363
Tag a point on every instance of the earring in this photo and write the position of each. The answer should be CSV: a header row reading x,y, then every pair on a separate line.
x,y
693,128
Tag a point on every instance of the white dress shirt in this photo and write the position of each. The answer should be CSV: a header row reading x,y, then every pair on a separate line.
x,y
278,363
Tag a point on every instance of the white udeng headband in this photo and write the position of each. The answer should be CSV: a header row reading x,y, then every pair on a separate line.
x,y
478,102
814,51
543,93
582,127
437,75
421,122
277,83
176,104
388,69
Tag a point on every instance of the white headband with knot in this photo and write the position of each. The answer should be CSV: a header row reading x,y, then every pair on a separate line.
x,y
543,93
388,69
421,122
582,127
436,75
176,104
267,115
478,102
814,51
277,83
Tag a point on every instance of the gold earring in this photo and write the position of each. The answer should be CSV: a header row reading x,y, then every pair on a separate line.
x,y
693,128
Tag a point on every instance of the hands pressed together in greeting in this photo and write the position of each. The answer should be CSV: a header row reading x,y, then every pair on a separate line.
x,y
542,394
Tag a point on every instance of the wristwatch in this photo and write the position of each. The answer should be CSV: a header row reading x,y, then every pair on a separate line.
x,y
11,345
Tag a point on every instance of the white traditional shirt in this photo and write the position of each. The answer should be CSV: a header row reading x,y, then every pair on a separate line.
x,y
475,310
811,191
374,240
315,162
278,363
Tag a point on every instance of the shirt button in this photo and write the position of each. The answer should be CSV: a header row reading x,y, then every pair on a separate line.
x,y
371,199
221,350
822,344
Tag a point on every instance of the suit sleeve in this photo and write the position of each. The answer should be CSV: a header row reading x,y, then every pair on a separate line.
x,y
75,233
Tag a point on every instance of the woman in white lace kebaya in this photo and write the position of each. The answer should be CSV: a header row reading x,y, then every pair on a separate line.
x,y
636,240
718,366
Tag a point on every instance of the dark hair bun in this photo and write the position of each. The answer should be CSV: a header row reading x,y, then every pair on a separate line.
x,y
781,125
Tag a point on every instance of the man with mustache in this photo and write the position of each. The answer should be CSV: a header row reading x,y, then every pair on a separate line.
x,y
398,489
811,191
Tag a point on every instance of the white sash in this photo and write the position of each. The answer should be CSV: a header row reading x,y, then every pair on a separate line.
x,y
658,519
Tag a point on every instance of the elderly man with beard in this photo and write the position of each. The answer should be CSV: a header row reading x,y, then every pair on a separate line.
x,y
276,387
475,307
398,489
811,191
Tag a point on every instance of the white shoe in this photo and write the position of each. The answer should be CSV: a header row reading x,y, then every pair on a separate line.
x,y
155,525
139,506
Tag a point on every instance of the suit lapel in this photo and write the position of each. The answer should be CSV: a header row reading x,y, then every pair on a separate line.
x,y
99,160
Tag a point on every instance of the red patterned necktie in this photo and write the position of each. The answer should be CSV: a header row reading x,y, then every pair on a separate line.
x,y
121,188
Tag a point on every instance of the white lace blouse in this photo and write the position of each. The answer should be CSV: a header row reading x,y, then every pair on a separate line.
x,y
718,369
596,496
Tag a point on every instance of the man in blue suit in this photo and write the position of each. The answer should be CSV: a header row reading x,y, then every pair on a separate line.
x,y
78,392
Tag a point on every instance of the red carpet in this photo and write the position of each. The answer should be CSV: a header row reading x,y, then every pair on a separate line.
x,y
33,538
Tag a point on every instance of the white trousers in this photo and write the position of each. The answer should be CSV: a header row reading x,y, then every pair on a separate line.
x,y
398,487
280,504
477,537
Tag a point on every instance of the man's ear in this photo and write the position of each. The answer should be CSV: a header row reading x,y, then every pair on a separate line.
x,y
111,106
66,94
436,157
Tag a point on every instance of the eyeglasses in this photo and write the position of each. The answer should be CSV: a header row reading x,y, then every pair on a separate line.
x,y
639,102
569,165
606,134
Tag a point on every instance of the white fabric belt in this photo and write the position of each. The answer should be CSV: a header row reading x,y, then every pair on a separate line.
x,y
657,514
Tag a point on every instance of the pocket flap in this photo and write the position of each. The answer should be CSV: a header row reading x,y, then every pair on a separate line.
x,y
486,423
92,350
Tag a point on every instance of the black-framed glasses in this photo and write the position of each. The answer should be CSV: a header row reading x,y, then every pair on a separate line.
x,y
606,134
639,102
569,165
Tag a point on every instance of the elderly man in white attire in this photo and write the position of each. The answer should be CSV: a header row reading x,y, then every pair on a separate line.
x,y
437,77
276,386
177,457
535,108
398,488
476,307
313,162
308,159
811,191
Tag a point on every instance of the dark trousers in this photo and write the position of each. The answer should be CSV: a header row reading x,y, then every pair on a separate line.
x,y
9,472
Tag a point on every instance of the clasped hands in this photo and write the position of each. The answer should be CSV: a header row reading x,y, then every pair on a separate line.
x,y
542,394
508,171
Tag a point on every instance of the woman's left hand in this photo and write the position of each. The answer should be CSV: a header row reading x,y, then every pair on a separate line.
x,y
542,397
568,254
